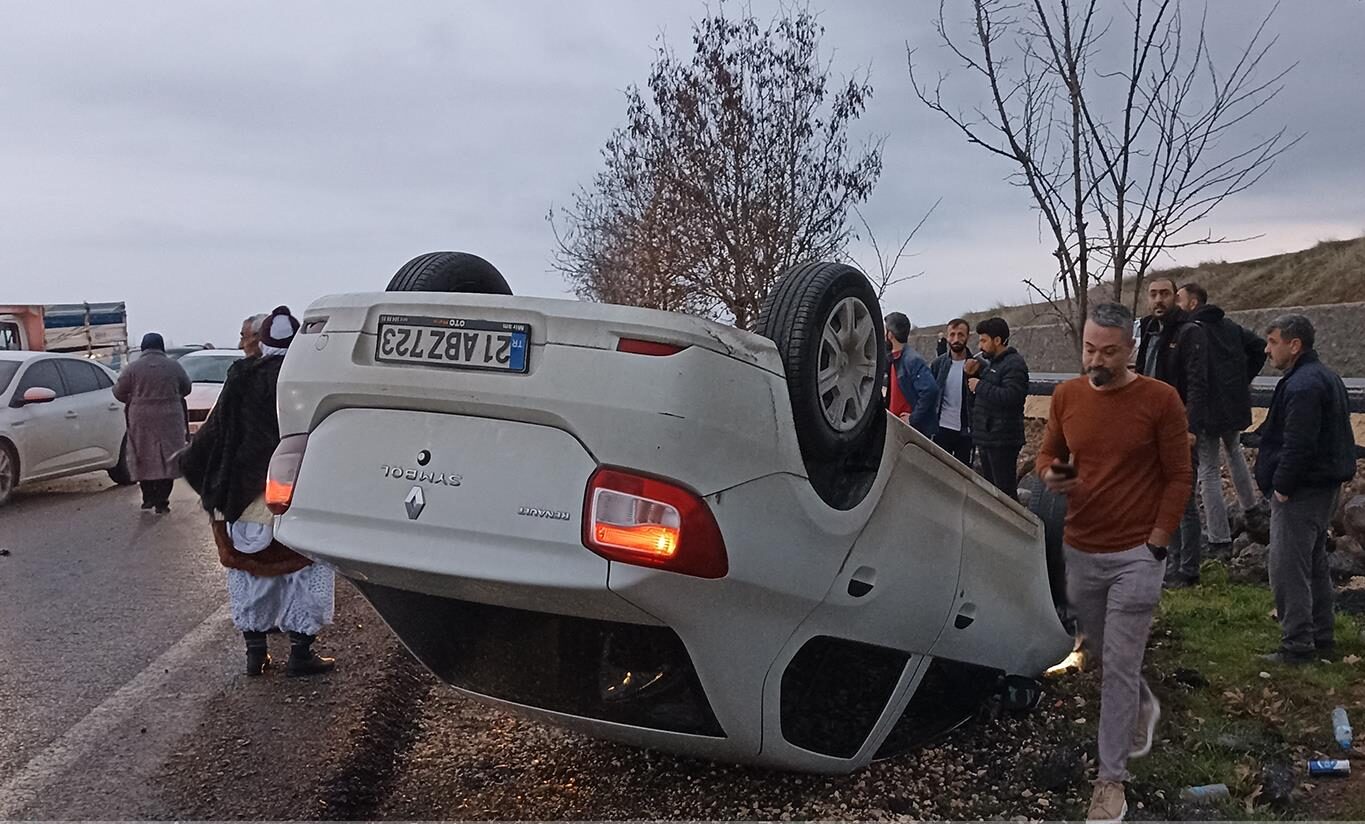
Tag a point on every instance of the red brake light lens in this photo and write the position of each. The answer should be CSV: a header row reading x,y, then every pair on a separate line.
x,y
283,472
636,346
645,521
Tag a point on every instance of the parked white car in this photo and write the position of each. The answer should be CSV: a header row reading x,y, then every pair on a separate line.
x,y
58,417
208,370
654,528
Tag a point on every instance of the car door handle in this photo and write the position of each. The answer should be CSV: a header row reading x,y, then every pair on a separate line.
x,y
73,414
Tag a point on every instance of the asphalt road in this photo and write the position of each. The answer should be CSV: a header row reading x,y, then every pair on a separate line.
x,y
113,631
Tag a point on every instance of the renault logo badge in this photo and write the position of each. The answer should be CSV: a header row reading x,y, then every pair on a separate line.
x,y
415,502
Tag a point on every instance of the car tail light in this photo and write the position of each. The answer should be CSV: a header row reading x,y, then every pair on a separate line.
x,y
637,346
644,521
283,472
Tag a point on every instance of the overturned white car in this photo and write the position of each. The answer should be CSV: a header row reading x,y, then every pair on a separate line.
x,y
654,528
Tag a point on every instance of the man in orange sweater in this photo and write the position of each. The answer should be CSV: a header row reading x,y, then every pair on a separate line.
x,y
1116,446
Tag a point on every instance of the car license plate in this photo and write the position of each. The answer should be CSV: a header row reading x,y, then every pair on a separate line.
x,y
458,343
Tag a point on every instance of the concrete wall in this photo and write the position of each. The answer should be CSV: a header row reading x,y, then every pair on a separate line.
x,y
1340,338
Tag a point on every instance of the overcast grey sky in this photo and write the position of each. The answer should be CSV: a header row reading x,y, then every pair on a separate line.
x,y
205,161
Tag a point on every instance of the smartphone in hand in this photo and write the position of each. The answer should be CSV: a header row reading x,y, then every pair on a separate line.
x,y
1064,470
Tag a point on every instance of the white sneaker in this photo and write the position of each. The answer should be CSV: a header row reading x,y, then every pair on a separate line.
x,y
1149,712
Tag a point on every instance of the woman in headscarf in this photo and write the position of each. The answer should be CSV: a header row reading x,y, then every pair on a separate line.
x,y
153,388
269,585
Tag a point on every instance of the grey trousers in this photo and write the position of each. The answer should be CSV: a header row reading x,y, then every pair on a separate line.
x,y
1114,595
1210,450
1187,548
1299,577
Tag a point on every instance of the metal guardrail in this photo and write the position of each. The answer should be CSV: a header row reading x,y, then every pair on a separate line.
x,y
1262,388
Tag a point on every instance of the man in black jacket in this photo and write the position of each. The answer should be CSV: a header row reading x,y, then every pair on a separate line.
x,y
1174,350
954,400
999,387
1307,452
1235,357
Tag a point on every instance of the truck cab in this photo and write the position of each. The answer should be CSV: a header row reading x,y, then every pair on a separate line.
x,y
21,327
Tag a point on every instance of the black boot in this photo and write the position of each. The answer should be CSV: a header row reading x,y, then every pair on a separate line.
x,y
302,659
257,655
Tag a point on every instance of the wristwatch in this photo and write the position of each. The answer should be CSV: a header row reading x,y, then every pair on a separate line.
x,y
1158,552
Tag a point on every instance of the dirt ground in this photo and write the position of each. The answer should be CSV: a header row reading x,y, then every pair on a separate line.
x,y
380,738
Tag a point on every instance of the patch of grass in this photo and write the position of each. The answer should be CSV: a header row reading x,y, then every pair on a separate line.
x,y
1228,714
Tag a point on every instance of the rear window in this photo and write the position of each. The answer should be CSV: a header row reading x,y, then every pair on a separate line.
x,y
208,368
7,371
80,377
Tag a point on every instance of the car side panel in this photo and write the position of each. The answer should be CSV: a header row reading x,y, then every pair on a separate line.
x,y
99,432
1003,616
785,546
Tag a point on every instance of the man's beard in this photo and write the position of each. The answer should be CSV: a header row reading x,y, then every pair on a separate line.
x,y
1100,375
957,347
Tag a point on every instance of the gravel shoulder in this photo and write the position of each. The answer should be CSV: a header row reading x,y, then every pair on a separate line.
x,y
381,739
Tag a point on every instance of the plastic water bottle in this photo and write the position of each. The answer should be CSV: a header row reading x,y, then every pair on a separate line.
x,y
1206,794
1341,728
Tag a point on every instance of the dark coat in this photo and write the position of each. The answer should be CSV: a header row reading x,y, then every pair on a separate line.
x,y
1306,440
998,407
229,458
919,389
1235,356
154,388
1182,361
942,367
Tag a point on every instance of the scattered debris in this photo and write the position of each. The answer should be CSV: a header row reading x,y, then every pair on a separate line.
x,y
1277,785
1341,728
1189,677
1206,794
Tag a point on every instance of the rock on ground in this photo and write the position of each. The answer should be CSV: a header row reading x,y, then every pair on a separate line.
x,y
1347,560
1250,565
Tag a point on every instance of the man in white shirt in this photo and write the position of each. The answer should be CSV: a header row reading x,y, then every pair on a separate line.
x,y
954,410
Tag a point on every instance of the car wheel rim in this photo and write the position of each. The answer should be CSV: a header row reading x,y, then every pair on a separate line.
x,y
6,474
847,364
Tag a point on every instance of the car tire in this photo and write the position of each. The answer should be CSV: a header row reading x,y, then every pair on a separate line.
x,y
1051,510
118,473
9,471
827,324
449,272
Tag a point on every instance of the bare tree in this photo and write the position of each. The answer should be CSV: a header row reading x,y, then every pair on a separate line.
x,y
884,276
1123,160
731,167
